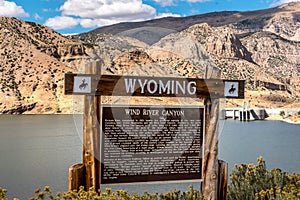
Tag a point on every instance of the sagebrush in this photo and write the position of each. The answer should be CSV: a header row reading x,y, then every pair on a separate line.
x,y
247,182
255,182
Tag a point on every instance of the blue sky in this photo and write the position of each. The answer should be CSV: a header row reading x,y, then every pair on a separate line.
x,y
77,16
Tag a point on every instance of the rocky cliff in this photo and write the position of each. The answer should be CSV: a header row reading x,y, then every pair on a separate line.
x,y
32,67
261,47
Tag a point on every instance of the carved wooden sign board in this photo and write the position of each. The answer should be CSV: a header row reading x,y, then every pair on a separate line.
x,y
148,142
108,85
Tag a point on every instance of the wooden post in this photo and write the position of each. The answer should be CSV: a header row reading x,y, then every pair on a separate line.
x,y
91,133
210,160
222,180
76,177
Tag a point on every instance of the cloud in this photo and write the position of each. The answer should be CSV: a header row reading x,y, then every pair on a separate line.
x,y
162,15
37,16
280,2
108,9
11,9
66,22
62,22
95,13
47,10
165,2
90,23
197,1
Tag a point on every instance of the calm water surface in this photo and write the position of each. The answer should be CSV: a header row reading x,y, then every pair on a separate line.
x,y
37,150
277,142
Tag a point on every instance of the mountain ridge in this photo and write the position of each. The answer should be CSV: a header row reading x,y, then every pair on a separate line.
x,y
238,19
34,58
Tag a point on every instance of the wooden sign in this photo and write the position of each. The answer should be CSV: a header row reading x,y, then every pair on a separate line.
x,y
100,144
108,85
157,143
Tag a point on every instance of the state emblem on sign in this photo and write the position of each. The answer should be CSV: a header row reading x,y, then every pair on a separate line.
x,y
231,89
82,84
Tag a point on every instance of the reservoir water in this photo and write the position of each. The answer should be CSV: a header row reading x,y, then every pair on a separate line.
x,y
37,150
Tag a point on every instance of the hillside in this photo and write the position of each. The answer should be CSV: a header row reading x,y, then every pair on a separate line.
x,y
189,52
32,67
282,20
261,47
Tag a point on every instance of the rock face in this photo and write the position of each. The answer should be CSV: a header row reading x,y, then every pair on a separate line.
x,y
149,35
20,109
276,55
220,42
282,21
63,52
261,47
32,68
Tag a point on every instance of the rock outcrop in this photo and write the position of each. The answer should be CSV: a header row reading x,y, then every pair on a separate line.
x,y
221,42
32,77
261,47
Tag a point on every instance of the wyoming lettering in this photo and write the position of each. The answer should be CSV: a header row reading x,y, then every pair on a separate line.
x,y
159,86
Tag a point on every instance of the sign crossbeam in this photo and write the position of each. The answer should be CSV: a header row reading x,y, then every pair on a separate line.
x,y
111,85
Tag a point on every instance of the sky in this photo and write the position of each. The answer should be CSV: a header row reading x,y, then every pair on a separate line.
x,y
78,16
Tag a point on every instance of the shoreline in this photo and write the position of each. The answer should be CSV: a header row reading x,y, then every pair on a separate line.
x,y
286,119
270,118
292,115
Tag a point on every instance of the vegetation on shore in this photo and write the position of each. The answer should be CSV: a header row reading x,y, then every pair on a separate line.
x,y
247,182
255,182
108,194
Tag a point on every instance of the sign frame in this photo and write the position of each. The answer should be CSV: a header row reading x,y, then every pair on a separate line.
x,y
215,172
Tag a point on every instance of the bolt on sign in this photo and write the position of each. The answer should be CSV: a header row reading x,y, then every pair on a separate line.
x,y
141,143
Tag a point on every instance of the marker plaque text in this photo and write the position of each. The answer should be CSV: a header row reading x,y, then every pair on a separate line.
x,y
141,144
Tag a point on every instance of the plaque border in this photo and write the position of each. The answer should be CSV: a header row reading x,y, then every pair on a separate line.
x,y
161,181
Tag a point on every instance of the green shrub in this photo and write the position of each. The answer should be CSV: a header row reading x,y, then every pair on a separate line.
x,y
282,113
3,194
108,194
249,182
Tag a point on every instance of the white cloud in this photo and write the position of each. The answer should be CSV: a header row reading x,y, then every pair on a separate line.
x,y
11,9
280,2
90,23
165,2
62,22
37,16
95,13
107,9
172,2
46,10
196,1
162,15
66,22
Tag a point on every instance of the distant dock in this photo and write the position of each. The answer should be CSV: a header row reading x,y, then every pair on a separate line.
x,y
244,113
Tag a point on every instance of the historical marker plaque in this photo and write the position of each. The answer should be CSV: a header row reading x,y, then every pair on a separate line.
x,y
151,143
